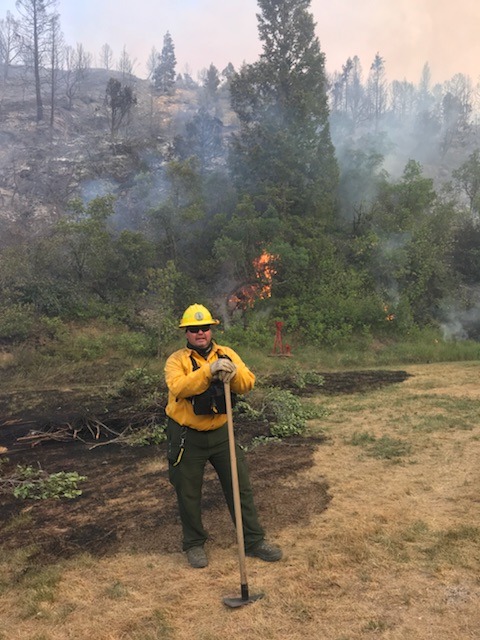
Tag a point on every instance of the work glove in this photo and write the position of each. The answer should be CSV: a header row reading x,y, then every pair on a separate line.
x,y
223,369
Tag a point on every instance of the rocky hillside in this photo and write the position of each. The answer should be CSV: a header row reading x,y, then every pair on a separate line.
x,y
44,165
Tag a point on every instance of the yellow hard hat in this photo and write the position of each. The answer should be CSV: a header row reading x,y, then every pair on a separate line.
x,y
196,315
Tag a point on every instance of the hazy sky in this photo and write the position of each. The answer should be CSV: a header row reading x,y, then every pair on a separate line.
x,y
406,33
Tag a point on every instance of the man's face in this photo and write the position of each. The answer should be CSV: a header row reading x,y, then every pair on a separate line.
x,y
199,336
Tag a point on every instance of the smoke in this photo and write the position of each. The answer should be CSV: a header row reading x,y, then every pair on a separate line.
x,y
98,188
462,324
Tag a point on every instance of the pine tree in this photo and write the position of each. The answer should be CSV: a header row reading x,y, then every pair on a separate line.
x,y
211,82
284,145
164,74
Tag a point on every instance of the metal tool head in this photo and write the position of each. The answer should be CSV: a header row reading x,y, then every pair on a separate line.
x,y
238,601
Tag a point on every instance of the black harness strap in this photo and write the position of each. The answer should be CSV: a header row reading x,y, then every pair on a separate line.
x,y
212,400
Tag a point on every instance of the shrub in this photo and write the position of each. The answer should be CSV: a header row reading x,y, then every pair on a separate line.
x,y
16,322
294,378
152,434
139,382
245,410
256,333
35,484
288,418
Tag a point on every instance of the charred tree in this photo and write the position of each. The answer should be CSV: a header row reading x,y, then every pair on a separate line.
x,y
34,30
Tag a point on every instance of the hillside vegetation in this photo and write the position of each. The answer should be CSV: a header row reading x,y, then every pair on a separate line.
x,y
346,208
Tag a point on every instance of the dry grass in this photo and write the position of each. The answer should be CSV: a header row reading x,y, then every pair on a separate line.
x,y
395,556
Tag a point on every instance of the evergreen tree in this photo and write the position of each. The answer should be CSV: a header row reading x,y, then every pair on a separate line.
x,y
203,139
211,82
284,147
164,74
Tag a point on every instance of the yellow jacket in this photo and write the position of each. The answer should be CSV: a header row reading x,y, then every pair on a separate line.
x,y
183,382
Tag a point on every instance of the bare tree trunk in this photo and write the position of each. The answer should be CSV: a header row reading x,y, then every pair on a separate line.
x,y
36,65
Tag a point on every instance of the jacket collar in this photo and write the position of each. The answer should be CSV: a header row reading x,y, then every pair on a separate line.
x,y
204,353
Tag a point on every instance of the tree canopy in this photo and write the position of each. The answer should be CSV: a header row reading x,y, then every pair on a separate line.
x,y
284,140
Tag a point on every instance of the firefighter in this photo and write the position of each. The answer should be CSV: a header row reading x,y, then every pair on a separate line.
x,y
197,432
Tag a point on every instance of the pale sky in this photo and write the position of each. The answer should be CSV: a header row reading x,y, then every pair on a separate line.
x,y
406,33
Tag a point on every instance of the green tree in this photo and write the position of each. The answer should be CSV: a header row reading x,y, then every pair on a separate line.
x,y
467,177
411,257
428,277
202,139
399,206
177,219
360,179
86,243
160,317
466,251
211,82
284,140
164,74
98,263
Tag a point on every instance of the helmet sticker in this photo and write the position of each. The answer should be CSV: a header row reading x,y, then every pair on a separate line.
x,y
198,315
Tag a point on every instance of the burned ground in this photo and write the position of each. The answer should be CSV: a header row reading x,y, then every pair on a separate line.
x,y
127,501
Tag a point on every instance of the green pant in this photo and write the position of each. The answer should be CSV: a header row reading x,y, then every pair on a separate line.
x,y
186,475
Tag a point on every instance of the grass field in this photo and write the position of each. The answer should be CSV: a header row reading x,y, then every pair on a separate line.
x,y
396,555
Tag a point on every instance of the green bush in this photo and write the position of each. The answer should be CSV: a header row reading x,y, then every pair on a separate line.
x,y
137,344
295,378
246,411
26,482
139,382
254,331
286,413
99,340
17,322
151,434
259,441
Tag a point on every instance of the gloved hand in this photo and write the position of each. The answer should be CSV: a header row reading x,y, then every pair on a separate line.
x,y
223,369
227,376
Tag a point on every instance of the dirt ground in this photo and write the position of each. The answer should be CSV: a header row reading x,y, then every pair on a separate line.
x,y
127,502
374,546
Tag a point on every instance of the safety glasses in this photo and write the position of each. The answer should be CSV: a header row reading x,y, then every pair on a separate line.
x,y
203,327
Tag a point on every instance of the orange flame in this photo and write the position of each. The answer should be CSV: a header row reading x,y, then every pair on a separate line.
x,y
390,316
246,296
